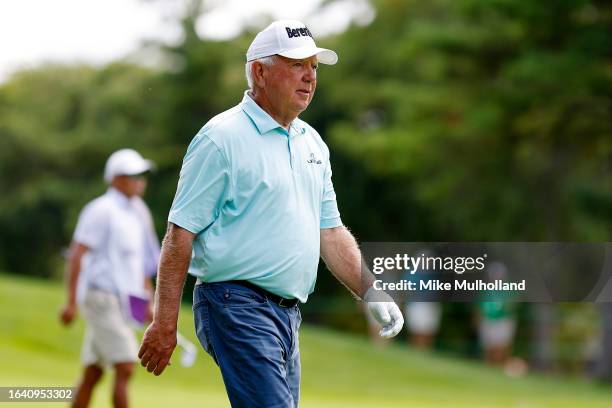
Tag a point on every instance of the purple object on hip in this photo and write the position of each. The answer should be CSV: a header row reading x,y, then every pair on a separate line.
x,y
138,308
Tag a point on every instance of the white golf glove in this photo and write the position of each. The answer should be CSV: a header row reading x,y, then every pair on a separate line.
x,y
385,311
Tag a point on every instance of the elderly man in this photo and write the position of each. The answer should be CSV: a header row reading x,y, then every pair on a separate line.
x,y
112,257
256,204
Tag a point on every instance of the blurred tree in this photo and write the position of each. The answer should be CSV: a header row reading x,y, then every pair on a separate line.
x,y
57,127
58,124
492,114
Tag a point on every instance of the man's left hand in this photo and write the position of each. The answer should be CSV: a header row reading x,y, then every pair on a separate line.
x,y
385,311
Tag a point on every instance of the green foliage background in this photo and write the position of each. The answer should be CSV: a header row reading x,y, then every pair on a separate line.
x,y
447,120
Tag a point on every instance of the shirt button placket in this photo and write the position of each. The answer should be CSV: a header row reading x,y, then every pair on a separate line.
x,y
290,150
294,166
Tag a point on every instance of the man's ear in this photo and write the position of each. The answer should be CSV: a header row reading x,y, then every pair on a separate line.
x,y
258,72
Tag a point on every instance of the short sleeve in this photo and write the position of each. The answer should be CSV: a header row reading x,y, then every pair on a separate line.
x,y
92,226
203,186
330,216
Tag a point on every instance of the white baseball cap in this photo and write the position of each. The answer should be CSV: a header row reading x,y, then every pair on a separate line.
x,y
291,39
126,162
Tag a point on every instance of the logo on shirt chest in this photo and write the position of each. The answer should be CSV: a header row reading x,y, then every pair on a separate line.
x,y
313,159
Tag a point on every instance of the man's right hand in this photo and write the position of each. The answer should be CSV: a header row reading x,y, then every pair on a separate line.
x,y
156,349
68,313
159,339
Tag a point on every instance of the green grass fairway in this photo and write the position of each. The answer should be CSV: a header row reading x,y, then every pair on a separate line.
x,y
338,370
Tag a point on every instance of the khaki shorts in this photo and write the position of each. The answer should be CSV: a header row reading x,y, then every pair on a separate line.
x,y
108,337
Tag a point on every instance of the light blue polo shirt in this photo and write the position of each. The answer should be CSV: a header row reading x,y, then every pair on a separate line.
x,y
257,197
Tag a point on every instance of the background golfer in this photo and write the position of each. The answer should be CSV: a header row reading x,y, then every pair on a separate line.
x,y
112,257
256,204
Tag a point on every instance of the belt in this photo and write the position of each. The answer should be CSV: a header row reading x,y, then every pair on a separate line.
x,y
279,300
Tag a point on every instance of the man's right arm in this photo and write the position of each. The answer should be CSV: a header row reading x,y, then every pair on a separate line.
x,y
159,339
75,255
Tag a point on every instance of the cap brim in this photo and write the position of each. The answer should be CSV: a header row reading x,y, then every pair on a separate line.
x,y
139,168
324,56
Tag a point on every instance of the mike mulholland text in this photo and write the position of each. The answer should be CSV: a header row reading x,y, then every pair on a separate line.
x,y
437,285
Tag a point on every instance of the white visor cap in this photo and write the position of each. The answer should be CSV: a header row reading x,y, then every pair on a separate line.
x,y
126,162
291,39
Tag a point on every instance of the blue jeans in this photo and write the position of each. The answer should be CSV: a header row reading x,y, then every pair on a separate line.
x,y
253,341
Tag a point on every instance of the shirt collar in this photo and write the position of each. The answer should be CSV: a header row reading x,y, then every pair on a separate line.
x,y
262,119
119,197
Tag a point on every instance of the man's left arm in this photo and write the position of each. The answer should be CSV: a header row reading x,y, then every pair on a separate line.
x,y
342,256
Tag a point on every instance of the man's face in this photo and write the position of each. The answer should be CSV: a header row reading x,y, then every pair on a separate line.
x,y
131,185
291,83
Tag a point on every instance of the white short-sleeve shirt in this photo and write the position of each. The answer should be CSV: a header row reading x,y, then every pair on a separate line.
x,y
117,231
